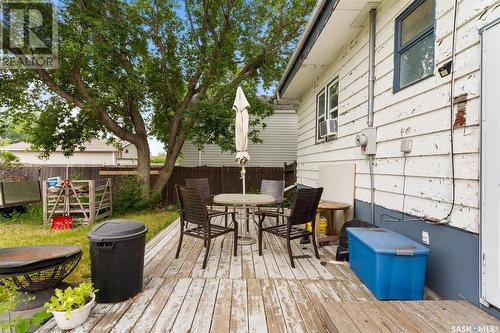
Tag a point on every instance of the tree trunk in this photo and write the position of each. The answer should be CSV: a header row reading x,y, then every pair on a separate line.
x,y
144,167
165,173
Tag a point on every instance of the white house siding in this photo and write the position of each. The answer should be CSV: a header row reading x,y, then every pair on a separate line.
x,y
128,155
279,145
420,112
31,157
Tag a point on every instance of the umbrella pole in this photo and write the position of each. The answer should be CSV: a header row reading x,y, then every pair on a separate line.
x,y
243,173
245,238
243,179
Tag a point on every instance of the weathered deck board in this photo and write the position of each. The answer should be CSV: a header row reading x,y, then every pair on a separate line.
x,y
252,293
256,313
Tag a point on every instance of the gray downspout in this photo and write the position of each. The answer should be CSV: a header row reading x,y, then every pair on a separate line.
x,y
371,98
371,66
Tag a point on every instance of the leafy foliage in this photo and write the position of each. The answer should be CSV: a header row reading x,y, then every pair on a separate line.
x,y
8,159
32,214
71,298
128,196
10,298
160,159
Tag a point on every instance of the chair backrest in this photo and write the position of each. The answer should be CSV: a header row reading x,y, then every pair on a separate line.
x,y
305,205
274,188
192,205
203,185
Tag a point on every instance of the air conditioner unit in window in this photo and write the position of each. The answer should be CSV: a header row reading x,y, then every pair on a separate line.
x,y
328,127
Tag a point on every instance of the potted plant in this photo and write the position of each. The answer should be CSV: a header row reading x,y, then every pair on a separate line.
x,y
71,307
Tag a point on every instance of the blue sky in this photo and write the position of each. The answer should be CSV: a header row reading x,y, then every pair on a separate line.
x,y
156,147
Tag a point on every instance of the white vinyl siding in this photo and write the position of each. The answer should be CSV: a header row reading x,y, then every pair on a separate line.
x,y
420,111
279,145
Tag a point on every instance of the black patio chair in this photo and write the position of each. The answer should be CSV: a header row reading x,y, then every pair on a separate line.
x,y
193,209
276,189
203,185
303,211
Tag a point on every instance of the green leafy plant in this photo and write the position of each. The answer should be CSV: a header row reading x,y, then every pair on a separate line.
x,y
8,159
10,298
128,196
71,299
75,175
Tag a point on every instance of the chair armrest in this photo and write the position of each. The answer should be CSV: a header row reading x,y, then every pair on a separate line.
x,y
291,187
214,213
270,213
280,201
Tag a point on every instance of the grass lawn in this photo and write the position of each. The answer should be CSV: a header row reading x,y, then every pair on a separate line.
x,y
27,229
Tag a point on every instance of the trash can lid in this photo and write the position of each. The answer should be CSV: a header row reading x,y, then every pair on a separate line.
x,y
117,230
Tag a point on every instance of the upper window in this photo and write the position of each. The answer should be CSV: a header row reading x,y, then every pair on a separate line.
x,y
414,44
327,111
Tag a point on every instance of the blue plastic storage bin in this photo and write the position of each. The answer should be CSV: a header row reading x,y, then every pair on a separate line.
x,y
391,265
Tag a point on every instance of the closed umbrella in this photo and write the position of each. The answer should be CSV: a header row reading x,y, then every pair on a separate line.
x,y
240,106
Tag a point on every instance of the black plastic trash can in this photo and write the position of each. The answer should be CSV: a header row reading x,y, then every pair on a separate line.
x,y
117,259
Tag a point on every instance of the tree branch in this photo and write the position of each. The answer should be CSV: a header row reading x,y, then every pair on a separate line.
x,y
101,114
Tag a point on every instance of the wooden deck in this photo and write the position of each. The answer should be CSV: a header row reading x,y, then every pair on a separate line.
x,y
250,293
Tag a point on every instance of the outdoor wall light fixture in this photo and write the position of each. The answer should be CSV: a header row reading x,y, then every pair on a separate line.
x,y
445,70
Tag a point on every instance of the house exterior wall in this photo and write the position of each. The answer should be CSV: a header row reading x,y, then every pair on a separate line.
x,y
420,112
128,155
278,146
31,157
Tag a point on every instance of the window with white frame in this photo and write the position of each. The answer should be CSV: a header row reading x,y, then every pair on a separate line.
x,y
327,112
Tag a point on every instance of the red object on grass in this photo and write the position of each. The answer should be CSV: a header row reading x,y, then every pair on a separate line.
x,y
61,222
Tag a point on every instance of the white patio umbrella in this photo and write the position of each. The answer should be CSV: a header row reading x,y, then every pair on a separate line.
x,y
240,106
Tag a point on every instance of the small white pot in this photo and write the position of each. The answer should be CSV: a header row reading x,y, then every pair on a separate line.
x,y
77,317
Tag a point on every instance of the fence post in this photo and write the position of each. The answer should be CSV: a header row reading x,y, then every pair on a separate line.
x,y
92,201
110,181
45,202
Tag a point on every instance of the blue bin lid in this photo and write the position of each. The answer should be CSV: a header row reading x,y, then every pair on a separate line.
x,y
387,241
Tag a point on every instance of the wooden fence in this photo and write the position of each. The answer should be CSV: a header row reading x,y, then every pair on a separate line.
x,y
222,179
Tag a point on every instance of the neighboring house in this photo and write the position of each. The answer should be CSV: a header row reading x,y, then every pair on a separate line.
x,y
329,77
278,145
96,152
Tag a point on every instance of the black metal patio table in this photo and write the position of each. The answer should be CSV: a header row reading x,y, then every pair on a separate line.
x,y
35,268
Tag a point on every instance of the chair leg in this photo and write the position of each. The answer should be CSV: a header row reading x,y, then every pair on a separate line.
x,y
259,236
207,251
247,219
179,246
315,245
235,246
225,216
290,252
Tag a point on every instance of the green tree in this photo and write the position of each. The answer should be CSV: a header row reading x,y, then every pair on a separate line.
x,y
159,68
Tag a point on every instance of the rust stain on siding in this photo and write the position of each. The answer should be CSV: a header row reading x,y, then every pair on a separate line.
x,y
461,101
